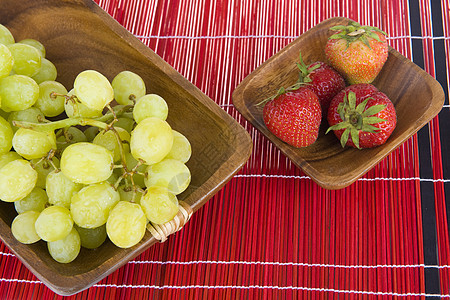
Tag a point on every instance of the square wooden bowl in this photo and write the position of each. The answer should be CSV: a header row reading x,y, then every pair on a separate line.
x,y
417,97
79,35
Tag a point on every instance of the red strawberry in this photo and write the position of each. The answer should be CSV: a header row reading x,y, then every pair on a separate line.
x,y
294,117
361,116
322,79
357,52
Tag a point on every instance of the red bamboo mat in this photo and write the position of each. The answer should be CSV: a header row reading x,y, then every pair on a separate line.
x,y
271,232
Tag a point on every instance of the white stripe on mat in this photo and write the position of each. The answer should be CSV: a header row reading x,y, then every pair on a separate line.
x,y
360,179
271,36
282,264
241,287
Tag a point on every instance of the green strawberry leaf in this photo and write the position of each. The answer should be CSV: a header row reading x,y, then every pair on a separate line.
x,y
281,91
351,28
338,27
344,137
360,108
302,66
373,110
371,28
372,120
335,37
315,67
352,100
369,128
365,41
293,87
355,137
307,79
359,121
338,126
374,36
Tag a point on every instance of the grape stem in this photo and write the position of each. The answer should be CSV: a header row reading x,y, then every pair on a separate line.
x,y
46,127
46,159
105,122
100,122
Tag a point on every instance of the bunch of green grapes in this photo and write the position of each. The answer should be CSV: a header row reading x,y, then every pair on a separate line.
x,y
99,171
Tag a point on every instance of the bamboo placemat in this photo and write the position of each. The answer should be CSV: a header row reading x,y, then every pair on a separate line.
x,y
271,232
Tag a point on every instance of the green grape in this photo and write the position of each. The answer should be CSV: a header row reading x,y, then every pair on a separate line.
x,y
151,140
87,163
159,205
131,163
91,205
6,36
169,173
128,86
76,109
32,115
33,144
126,224
6,136
60,189
27,59
3,113
93,89
43,168
181,148
54,223
67,249
92,238
17,180
6,61
125,123
71,135
36,44
91,132
150,105
18,92
8,157
127,194
47,72
51,105
36,200
23,228
108,140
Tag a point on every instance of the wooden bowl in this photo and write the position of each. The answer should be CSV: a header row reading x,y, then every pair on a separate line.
x,y
79,35
417,97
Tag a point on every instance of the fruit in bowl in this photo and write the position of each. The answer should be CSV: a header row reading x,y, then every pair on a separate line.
x,y
358,53
92,40
325,161
361,116
294,115
87,167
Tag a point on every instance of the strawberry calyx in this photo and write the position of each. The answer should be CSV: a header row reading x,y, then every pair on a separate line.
x,y
305,71
356,118
280,92
356,32
303,80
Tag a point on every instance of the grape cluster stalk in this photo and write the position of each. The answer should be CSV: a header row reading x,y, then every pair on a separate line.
x,y
78,169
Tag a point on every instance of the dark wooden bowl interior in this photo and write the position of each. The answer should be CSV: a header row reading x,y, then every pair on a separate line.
x,y
79,35
417,97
